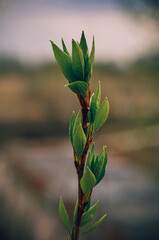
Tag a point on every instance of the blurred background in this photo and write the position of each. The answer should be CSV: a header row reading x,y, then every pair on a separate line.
x,y
36,162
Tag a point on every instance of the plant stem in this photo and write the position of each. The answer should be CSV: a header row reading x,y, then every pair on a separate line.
x,y
80,166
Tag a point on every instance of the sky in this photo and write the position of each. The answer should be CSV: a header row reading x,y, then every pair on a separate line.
x,y
120,36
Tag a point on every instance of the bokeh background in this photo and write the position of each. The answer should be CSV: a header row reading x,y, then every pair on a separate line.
x,y
36,162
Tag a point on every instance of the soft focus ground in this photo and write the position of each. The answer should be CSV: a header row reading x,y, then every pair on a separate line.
x,y
36,163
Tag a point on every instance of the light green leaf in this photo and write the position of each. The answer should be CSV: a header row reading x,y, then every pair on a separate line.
x,y
77,61
64,48
64,62
101,115
64,216
79,141
83,44
88,181
71,127
94,226
79,87
88,216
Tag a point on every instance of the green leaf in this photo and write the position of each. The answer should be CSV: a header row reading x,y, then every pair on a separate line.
x,y
101,115
79,87
88,205
71,127
75,212
64,216
77,61
83,44
87,130
94,226
91,58
100,164
97,95
64,62
64,48
95,102
77,122
88,216
91,157
102,173
79,141
88,181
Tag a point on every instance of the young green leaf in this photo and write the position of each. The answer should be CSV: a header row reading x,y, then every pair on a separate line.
x,y
88,181
84,47
79,141
101,115
64,48
64,62
71,127
94,226
79,87
77,61
64,216
88,216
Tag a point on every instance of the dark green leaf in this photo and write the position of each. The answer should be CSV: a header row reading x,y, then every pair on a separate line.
x,y
88,216
88,205
87,130
71,127
97,95
77,122
93,226
95,102
64,48
64,216
79,87
75,212
100,164
101,115
83,44
91,58
91,157
79,141
64,62
102,173
88,181
77,61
